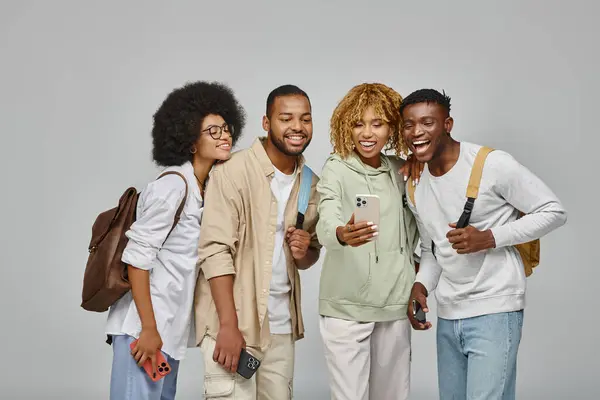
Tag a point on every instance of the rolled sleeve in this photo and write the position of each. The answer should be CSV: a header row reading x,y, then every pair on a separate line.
x,y
219,229
156,215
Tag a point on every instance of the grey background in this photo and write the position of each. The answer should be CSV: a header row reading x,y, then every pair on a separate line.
x,y
80,80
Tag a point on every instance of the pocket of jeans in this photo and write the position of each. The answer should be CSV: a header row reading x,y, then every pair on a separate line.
x,y
216,386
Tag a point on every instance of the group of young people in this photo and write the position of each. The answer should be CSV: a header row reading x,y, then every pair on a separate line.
x,y
226,279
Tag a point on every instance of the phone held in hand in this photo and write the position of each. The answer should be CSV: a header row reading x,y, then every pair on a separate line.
x,y
247,365
162,366
367,209
418,312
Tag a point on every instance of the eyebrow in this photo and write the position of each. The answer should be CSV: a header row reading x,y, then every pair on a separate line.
x,y
291,114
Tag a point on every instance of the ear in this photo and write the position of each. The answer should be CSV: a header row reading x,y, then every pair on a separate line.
x,y
448,124
266,124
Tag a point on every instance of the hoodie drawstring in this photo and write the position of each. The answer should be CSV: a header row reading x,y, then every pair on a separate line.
x,y
370,187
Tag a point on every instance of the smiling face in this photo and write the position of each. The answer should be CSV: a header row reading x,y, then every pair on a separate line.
x,y
369,135
214,142
426,129
290,124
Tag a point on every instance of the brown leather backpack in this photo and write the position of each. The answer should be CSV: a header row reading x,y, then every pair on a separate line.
x,y
105,279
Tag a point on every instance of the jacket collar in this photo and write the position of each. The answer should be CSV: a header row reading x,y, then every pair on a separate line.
x,y
259,151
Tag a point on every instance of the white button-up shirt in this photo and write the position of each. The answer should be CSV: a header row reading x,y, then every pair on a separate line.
x,y
172,266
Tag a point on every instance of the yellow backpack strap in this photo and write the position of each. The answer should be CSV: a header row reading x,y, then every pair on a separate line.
x,y
411,191
473,187
477,171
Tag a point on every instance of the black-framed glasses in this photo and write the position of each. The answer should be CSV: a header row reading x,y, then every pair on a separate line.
x,y
216,131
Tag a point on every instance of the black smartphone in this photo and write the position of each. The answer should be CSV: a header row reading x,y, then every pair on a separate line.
x,y
418,312
247,365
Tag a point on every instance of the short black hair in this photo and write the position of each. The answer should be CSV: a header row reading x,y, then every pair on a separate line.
x,y
177,122
284,90
426,96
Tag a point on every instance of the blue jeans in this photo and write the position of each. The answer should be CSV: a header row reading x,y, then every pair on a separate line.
x,y
477,357
130,382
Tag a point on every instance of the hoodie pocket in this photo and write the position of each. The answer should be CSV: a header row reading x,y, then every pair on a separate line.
x,y
390,279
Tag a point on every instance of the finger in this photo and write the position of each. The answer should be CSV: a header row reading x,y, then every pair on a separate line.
x,y
364,231
461,246
227,364
154,365
142,359
222,357
299,245
362,240
351,220
360,225
305,237
422,300
234,362
452,225
464,251
216,354
455,233
138,355
291,229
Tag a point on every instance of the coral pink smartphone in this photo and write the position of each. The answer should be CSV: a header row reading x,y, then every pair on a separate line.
x,y
162,366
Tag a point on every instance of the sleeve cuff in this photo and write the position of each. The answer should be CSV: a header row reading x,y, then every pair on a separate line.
x,y
217,265
501,236
137,256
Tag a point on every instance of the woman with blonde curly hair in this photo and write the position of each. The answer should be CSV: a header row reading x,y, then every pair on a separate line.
x,y
369,268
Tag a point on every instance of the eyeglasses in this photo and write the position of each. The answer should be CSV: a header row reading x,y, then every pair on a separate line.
x,y
217,131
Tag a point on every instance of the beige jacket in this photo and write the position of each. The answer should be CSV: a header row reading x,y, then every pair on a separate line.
x,y
237,236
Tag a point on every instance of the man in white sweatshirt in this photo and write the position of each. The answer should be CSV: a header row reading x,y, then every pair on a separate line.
x,y
476,272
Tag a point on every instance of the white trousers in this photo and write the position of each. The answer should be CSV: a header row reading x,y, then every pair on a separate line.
x,y
272,381
367,361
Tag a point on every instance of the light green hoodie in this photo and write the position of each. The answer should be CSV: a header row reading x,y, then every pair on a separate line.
x,y
372,282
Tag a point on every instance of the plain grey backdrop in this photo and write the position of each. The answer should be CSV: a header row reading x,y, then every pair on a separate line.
x,y
80,80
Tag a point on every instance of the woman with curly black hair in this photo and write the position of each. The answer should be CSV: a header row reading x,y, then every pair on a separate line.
x,y
195,127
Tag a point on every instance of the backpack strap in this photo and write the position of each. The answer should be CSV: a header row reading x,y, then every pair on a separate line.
x,y
473,187
303,195
180,208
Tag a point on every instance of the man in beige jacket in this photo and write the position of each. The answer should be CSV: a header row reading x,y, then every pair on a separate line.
x,y
248,291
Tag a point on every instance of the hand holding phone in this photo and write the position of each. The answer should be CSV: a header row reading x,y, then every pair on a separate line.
x,y
417,308
418,312
247,365
162,366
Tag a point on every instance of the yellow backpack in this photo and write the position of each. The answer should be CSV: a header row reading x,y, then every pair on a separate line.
x,y
530,251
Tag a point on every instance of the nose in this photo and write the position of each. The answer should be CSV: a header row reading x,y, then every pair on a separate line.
x,y
296,125
367,132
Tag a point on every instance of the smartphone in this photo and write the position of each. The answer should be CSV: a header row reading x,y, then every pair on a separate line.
x,y
247,365
418,312
367,209
162,366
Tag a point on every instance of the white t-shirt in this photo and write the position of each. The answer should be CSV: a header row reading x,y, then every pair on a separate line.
x,y
492,281
172,266
279,297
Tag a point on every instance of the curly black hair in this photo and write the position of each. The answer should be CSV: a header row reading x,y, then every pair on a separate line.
x,y
426,96
177,122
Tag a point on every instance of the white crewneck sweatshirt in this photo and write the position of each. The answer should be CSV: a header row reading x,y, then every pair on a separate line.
x,y
491,281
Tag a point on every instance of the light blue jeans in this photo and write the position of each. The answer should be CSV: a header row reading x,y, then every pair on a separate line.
x,y
130,382
477,357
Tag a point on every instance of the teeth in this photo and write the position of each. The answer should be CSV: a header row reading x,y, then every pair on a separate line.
x,y
296,137
419,142
367,144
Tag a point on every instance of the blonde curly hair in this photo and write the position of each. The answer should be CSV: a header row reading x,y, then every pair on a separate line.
x,y
386,105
